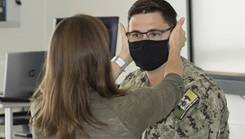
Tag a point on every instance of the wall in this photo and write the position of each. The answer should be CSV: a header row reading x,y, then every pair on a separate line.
x,y
236,106
36,27
218,45
218,31
30,35
88,7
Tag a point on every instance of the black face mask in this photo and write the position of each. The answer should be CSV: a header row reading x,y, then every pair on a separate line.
x,y
149,55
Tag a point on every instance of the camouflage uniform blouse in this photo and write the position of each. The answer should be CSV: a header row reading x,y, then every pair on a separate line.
x,y
201,114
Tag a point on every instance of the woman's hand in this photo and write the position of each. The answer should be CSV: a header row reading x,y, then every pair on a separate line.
x,y
178,35
124,53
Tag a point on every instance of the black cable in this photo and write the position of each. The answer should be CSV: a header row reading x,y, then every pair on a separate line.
x,y
242,96
18,2
189,28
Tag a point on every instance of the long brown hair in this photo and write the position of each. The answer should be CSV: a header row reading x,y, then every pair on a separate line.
x,y
77,63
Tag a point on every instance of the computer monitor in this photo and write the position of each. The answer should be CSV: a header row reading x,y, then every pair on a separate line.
x,y
111,23
23,72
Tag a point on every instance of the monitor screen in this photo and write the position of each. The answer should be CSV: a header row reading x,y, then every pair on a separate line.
x,y
111,23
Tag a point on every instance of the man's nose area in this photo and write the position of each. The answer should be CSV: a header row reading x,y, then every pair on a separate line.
x,y
145,37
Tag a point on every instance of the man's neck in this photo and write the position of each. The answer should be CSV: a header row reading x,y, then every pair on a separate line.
x,y
156,75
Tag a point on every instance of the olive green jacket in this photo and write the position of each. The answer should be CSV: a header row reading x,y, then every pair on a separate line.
x,y
129,115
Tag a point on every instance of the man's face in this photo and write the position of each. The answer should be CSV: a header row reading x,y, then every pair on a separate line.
x,y
147,22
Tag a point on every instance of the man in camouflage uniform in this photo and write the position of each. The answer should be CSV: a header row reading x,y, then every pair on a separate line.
x,y
206,118
202,113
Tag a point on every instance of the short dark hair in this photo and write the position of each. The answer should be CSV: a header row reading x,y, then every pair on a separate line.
x,y
149,6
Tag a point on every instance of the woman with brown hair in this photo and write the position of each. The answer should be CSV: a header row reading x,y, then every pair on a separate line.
x,y
78,98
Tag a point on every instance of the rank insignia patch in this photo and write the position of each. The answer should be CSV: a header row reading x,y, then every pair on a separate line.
x,y
185,104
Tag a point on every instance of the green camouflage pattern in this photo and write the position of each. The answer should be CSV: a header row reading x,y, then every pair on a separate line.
x,y
207,118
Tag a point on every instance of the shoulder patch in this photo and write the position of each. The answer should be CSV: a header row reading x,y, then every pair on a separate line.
x,y
185,104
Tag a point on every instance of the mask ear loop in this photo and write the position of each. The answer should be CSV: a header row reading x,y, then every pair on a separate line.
x,y
18,2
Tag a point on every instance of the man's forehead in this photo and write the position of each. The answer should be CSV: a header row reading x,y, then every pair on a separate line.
x,y
145,22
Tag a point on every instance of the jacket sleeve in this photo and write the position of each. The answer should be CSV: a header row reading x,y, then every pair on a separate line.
x,y
141,107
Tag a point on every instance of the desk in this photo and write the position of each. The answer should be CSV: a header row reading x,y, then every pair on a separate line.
x,y
9,115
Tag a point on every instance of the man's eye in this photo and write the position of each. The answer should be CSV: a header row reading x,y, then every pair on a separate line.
x,y
136,35
154,34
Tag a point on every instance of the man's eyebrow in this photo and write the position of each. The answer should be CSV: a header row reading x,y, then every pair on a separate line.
x,y
137,31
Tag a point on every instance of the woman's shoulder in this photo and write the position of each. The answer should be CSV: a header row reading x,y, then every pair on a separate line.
x,y
35,106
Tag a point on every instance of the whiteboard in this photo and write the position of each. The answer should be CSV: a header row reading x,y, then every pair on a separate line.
x,y
217,41
218,35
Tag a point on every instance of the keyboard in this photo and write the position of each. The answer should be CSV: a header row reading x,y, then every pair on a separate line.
x,y
12,99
